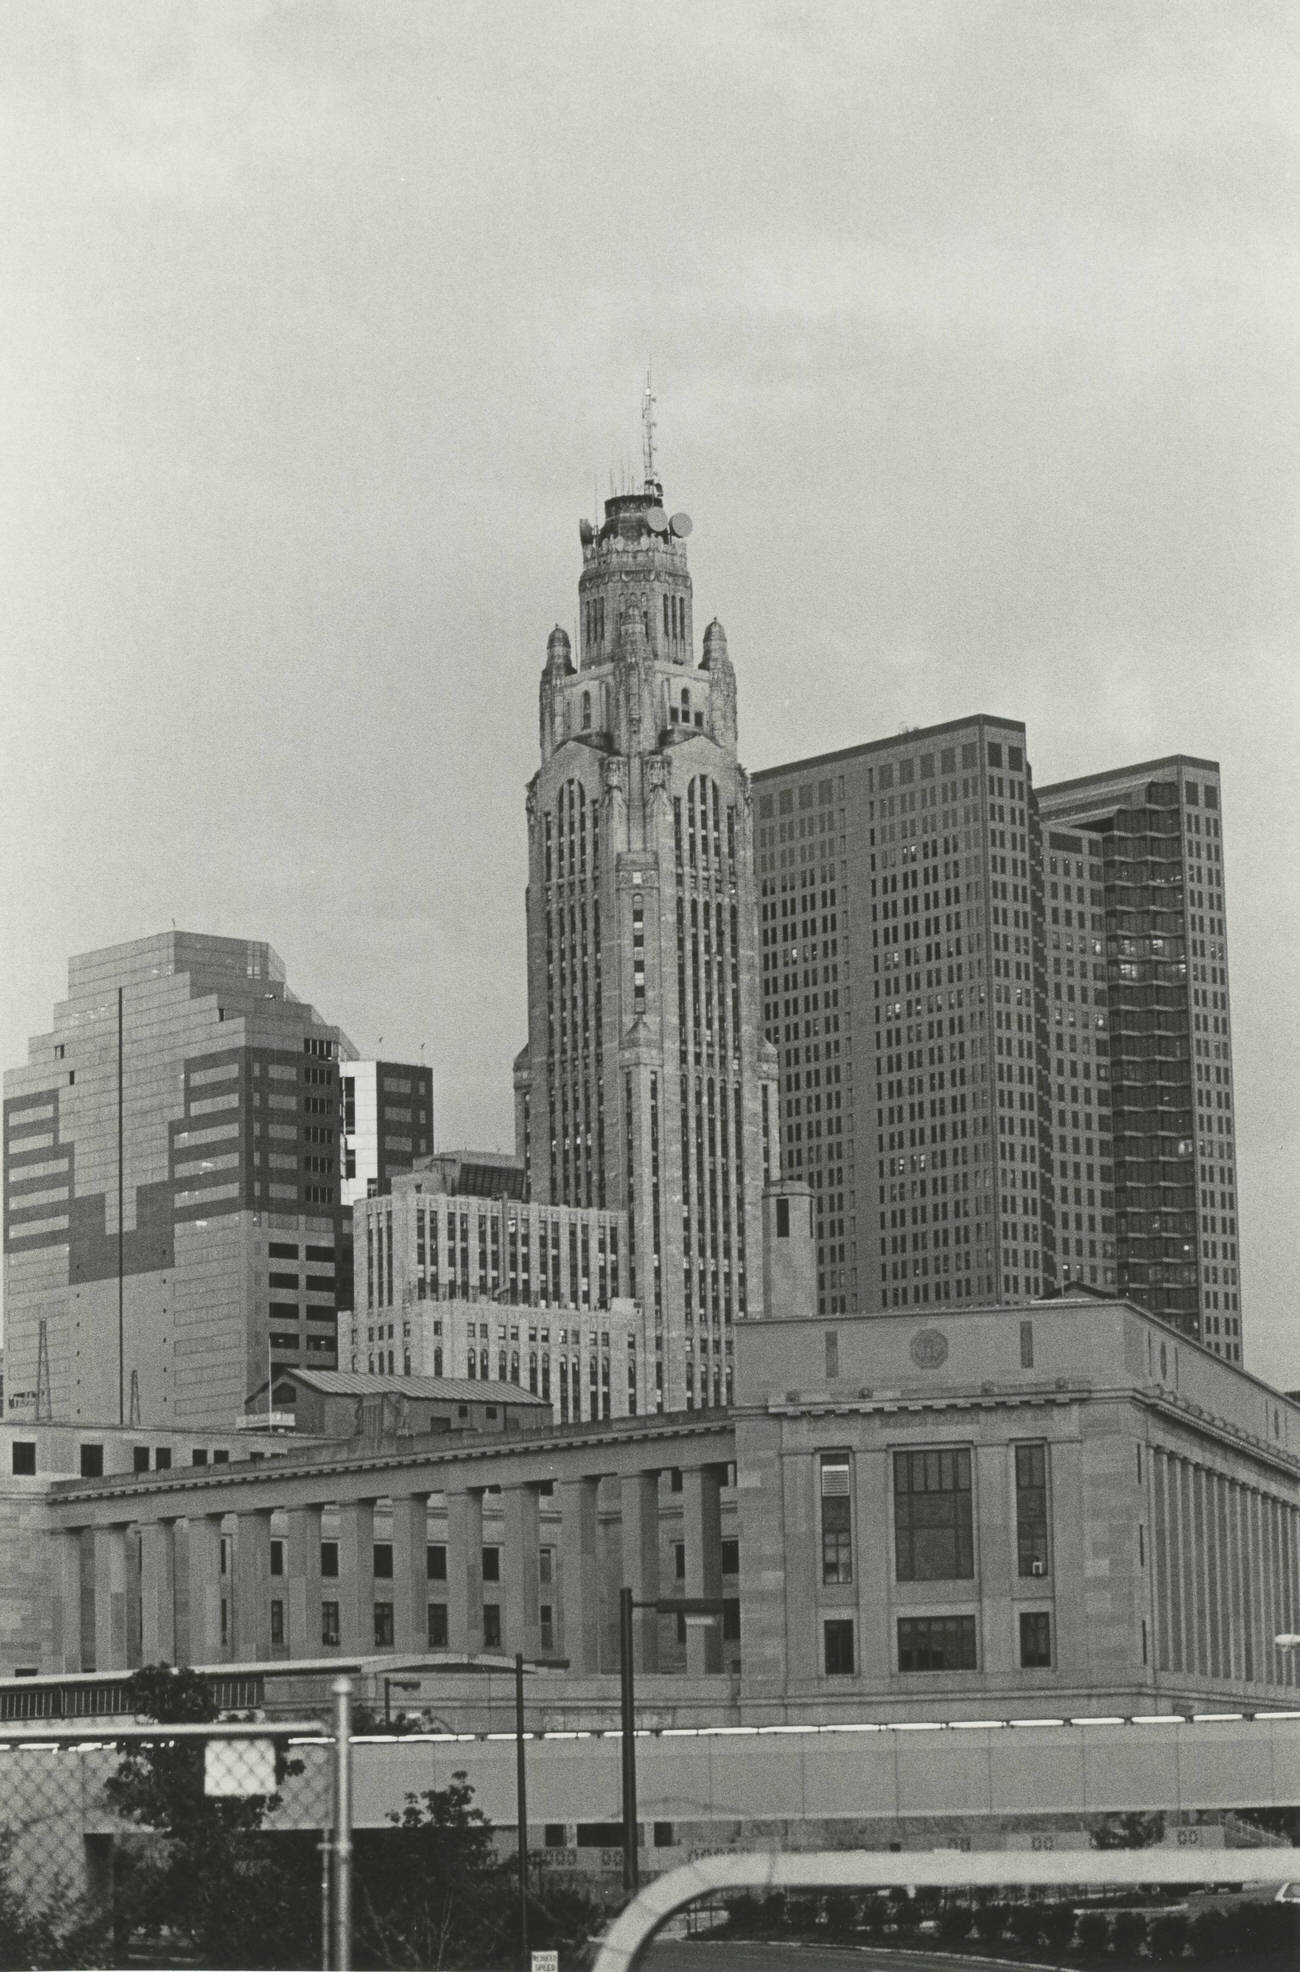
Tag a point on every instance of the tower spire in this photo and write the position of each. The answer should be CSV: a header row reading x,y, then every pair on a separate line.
x,y
648,434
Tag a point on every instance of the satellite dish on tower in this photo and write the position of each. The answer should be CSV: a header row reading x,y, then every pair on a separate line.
x,y
680,525
656,520
586,533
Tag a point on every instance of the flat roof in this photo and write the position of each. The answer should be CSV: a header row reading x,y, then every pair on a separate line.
x,y
913,734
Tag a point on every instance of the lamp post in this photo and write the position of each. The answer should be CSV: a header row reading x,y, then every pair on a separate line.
x,y
694,1609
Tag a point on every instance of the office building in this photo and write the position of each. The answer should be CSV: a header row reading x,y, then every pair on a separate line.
x,y
171,1169
497,1289
387,1123
1147,844
387,1126
646,1087
904,986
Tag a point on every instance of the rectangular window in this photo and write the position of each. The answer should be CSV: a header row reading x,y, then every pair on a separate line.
x,y
329,1560
92,1461
162,1458
936,1643
329,1623
383,1626
1035,1640
1033,1557
933,1522
139,1458
837,1518
277,1623
491,1564
24,1457
437,1626
491,1626
435,1561
731,1619
837,1635
731,1557
277,1557
383,1564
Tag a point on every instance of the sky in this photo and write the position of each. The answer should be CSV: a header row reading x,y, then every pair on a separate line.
x,y
972,331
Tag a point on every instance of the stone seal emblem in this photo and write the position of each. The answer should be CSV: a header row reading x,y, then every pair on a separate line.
x,y
929,1348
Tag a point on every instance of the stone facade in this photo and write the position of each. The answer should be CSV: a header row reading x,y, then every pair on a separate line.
x,y
1049,1510
646,1086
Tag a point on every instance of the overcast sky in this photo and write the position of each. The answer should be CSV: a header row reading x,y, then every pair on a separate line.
x,y
973,331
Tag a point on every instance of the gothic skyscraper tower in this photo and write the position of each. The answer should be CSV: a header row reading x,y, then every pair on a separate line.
x,y
646,1084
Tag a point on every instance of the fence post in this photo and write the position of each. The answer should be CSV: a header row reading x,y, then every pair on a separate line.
x,y
342,1954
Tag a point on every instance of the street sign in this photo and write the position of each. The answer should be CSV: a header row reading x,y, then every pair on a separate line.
x,y
545,1961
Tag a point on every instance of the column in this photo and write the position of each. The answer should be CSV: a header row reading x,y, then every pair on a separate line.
x,y
302,1581
578,1589
639,1502
465,1571
702,1530
203,1583
158,1592
356,1584
133,1657
520,1564
251,1627
110,1598
67,1600
411,1572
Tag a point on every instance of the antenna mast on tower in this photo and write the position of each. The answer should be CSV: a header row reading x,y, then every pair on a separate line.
x,y
648,434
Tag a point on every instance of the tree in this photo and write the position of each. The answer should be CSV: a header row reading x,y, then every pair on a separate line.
x,y
431,1891
232,1893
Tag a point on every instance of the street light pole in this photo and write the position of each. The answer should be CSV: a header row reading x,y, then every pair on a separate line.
x,y
699,1609
521,1801
626,1605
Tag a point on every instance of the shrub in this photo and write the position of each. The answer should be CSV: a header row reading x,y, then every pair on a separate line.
x,y
1094,1931
1208,1934
1168,1939
952,1924
991,1921
1128,1932
1056,1926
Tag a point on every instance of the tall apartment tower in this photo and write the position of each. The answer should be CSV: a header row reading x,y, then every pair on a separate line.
x,y
1149,842
646,1085
171,1175
905,986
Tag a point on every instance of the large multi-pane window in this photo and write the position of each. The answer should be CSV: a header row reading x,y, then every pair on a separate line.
x,y
1032,1549
936,1643
837,1518
934,1538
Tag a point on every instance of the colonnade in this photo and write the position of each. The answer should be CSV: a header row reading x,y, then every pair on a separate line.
x,y
245,1568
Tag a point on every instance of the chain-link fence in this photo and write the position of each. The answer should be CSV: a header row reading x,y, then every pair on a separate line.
x,y
182,1844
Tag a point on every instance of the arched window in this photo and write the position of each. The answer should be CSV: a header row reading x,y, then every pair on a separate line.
x,y
586,712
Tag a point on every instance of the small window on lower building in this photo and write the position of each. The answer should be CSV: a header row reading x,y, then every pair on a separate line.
x,y
936,1643
663,1837
546,1625
92,1461
199,1455
277,1557
24,1457
1035,1640
731,1557
837,1633
139,1458
731,1619
162,1458
437,1626
383,1562
277,1623
553,1834
435,1561
329,1622
491,1564
491,1626
329,1559
383,1626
